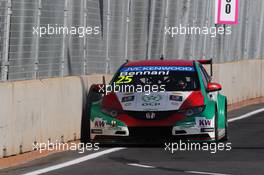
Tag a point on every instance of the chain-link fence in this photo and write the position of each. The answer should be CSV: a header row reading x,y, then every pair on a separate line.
x,y
128,29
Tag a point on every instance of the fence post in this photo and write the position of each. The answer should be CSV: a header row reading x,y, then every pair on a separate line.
x,y
246,32
127,27
64,39
193,37
5,61
166,21
208,5
108,15
36,57
150,29
84,38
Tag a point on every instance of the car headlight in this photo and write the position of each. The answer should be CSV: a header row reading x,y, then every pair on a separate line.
x,y
193,111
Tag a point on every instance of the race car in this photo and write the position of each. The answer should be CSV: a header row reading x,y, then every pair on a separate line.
x,y
158,99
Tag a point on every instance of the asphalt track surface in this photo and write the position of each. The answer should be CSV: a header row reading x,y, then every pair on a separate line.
x,y
245,158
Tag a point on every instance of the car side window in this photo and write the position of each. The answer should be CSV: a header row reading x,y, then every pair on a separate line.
x,y
208,78
205,76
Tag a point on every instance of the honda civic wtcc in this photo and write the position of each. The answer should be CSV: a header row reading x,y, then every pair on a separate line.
x,y
184,104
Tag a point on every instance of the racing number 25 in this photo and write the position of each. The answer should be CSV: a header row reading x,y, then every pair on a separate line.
x,y
124,79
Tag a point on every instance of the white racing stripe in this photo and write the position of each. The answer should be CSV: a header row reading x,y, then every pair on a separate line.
x,y
205,173
140,165
246,115
73,162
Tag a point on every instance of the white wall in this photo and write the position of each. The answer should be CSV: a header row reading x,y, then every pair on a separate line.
x,y
240,80
39,110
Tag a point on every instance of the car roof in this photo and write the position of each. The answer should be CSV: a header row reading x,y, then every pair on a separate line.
x,y
160,63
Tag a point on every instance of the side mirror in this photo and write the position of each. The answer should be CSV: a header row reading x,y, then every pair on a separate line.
x,y
98,88
212,87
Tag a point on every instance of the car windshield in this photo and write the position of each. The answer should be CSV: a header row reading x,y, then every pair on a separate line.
x,y
173,78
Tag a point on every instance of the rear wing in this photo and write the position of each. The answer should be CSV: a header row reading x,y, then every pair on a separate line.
x,y
208,62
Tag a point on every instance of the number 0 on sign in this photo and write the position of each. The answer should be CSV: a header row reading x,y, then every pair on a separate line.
x,y
226,11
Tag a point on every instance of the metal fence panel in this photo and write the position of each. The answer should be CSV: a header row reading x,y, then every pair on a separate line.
x,y
74,55
138,29
129,29
117,33
50,47
96,44
22,47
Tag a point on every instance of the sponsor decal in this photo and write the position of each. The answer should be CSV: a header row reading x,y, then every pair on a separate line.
x,y
99,123
151,104
128,98
176,93
203,122
127,104
156,68
127,72
175,98
176,103
97,131
151,100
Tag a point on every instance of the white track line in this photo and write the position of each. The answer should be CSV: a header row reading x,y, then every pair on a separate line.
x,y
190,172
205,173
140,165
246,115
73,162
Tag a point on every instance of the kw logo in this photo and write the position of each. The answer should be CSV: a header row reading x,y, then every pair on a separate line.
x,y
204,122
99,124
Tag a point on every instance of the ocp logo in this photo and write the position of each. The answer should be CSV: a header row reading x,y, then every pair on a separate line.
x,y
151,98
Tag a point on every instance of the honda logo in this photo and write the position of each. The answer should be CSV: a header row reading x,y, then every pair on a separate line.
x,y
150,115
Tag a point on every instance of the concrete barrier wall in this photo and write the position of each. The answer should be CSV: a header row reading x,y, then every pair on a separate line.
x,y
52,109
38,111
240,80
88,80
